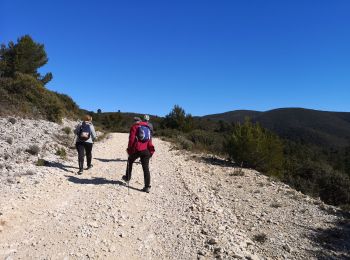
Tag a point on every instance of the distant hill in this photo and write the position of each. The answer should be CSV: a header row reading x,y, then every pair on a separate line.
x,y
118,121
233,116
322,128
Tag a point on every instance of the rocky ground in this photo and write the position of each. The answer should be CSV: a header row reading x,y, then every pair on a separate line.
x,y
199,207
24,142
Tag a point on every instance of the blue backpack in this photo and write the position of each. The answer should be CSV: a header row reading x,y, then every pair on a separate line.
x,y
84,132
143,134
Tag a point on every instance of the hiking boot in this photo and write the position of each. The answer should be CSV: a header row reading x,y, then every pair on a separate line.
x,y
146,189
89,167
125,178
80,172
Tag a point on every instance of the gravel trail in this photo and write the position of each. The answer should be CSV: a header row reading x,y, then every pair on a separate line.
x,y
198,208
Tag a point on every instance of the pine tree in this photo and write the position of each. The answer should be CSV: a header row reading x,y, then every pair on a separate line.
x,y
26,57
256,147
178,119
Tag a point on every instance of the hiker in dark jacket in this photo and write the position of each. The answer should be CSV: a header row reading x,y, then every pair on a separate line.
x,y
86,134
139,149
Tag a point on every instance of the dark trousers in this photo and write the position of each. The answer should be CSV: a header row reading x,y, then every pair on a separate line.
x,y
83,147
144,156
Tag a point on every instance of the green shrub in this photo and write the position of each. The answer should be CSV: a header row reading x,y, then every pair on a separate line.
x,y
22,88
41,162
205,140
184,143
169,133
202,137
256,148
69,107
25,56
335,189
23,95
54,112
61,152
67,130
178,119
318,179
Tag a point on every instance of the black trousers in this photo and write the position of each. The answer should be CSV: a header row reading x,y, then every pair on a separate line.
x,y
144,156
82,148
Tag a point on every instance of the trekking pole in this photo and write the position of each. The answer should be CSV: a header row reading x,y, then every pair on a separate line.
x,y
127,175
128,179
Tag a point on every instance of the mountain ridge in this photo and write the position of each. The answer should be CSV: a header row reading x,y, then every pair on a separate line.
x,y
317,127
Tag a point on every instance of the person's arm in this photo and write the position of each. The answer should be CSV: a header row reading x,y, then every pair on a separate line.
x,y
93,132
151,128
77,128
150,147
132,137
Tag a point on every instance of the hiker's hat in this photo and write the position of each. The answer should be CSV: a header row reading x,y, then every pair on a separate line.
x,y
146,117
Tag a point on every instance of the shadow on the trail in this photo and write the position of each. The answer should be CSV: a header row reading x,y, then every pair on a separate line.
x,y
112,160
215,161
335,240
98,181
60,166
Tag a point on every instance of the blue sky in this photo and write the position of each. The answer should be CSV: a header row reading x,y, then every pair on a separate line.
x,y
207,56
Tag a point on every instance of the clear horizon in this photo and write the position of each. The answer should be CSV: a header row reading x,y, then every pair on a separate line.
x,y
207,57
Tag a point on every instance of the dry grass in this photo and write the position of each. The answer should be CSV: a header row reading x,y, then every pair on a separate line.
x,y
237,172
102,136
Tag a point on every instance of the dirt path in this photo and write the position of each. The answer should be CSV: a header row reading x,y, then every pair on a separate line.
x,y
92,215
195,210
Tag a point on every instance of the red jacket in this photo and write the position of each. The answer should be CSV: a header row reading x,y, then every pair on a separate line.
x,y
135,146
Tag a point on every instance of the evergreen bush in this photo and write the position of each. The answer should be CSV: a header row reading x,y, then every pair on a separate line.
x,y
256,147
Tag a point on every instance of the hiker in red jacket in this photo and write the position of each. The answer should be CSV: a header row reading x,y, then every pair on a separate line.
x,y
140,146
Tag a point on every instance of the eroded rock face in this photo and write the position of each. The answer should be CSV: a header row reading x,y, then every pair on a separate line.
x,y
195,210
23,142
